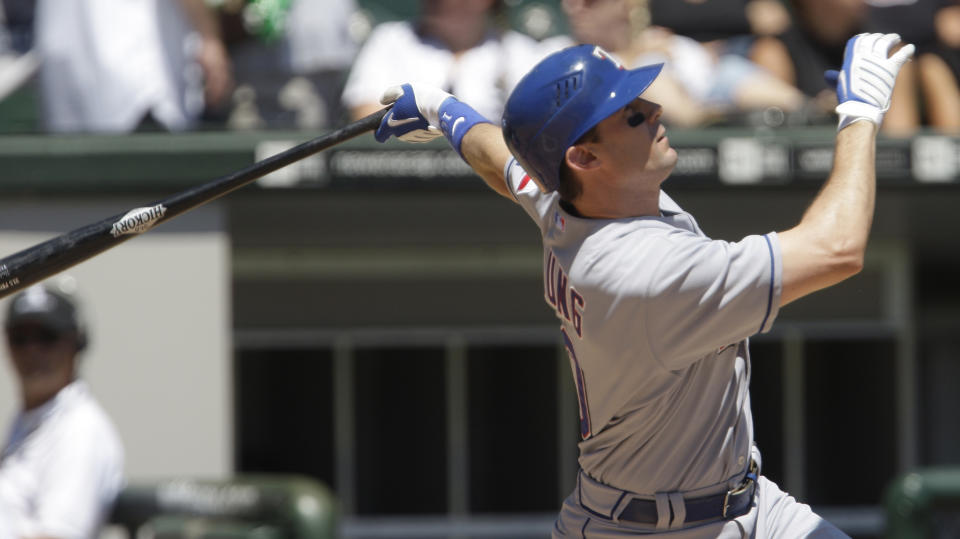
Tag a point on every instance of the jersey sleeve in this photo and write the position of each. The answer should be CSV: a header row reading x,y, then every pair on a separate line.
x,y
526,192
705,294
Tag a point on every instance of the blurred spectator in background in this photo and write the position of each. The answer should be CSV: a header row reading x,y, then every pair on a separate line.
x,y
116,65
62,466
18,62
457,45
926,92
16,32
723,25
812,44
698,85
290,60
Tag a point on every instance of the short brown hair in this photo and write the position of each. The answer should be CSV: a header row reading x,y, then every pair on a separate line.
x,y
570,186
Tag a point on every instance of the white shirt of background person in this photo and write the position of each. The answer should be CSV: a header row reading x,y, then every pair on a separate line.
x,y
106,64
482,76
57,454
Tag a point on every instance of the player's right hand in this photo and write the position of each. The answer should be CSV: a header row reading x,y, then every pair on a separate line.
x,y
865,83
414,116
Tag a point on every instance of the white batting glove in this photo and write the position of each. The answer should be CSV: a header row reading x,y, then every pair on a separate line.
x,y
865,83
414,116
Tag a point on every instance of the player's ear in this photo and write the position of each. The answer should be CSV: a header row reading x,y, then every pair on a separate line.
x,y
579,157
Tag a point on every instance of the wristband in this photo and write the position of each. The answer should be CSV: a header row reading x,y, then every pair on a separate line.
x,y
852,111
456,118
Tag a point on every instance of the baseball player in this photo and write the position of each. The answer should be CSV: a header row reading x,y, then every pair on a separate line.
x,y
655,315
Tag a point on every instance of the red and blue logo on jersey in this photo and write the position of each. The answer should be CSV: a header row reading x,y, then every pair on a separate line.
x,y
523,182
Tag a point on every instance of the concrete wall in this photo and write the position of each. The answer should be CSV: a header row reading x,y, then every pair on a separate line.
x,y
158,315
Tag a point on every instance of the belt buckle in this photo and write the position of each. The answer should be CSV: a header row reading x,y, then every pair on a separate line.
x,y
748,483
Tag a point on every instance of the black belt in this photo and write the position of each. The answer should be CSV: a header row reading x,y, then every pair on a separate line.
x,y
723,506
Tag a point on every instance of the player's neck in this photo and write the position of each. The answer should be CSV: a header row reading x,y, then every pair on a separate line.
x,y
36,395
38,388
618,204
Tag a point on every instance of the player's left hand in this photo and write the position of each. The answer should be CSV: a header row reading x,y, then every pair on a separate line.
x,y
414,116
865,82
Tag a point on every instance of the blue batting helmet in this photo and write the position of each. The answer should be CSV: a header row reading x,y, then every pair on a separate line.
x,y
562,98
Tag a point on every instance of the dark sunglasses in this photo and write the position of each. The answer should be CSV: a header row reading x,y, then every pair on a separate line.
x,y
43,336
636,119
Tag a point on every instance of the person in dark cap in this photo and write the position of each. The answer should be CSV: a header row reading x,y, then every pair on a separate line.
x,y
61,467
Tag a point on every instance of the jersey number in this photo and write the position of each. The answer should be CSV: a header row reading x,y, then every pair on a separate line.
x,y
585,431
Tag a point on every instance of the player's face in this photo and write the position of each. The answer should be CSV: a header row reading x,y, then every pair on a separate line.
x,y
43,358
634,142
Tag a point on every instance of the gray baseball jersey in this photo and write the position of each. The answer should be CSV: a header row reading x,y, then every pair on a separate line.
x,y
655,317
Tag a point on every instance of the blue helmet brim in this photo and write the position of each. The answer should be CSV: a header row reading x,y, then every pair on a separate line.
x,y
630,87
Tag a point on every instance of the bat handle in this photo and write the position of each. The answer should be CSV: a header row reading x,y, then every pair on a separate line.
x,y
371,121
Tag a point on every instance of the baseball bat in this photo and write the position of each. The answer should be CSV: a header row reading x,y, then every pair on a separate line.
x,y
36,263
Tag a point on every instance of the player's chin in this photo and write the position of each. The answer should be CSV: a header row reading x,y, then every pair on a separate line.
x,y
669,158
664,167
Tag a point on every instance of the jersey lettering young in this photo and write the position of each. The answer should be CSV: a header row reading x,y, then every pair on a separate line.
x,y
655,317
